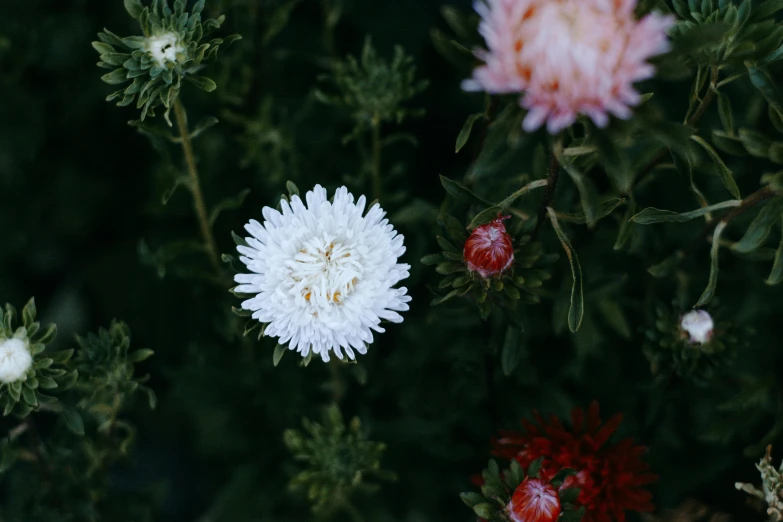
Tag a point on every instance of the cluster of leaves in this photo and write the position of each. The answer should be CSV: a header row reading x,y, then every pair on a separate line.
x,y
373,89
499,486
339,460
57,469
771,491
157,82
503,291
49,370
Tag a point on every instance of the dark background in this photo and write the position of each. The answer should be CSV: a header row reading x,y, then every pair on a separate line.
x,y
80,189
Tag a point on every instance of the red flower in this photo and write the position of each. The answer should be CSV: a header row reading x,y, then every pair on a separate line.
x,y
488,250
609,475
534,500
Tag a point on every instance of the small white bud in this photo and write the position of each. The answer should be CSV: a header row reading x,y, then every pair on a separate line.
x,y
698,325
15,360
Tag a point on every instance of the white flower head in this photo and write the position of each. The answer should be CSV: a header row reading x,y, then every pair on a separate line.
x,y
164,48
323,274
698,325
15,359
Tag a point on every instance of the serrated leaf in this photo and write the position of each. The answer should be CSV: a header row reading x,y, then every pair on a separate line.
x,y
576,308
709,292
724,172
467,127
652,215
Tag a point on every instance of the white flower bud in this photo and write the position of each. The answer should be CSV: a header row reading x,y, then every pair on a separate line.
x,y
164,48
15,360
698,325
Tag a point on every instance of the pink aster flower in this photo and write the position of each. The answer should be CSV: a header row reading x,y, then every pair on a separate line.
x,y
568,57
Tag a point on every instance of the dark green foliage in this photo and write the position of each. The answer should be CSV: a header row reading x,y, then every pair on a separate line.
x,y
340,460
157,80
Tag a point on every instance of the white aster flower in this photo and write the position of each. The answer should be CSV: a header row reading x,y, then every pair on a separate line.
x,y
324,274
164,48
15,359
698,325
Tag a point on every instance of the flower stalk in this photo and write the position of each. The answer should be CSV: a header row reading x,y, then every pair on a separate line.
x,y
195,186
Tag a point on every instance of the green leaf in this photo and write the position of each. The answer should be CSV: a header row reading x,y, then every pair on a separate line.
x,y
458,21
464,134
760,227
228,204
654,215
461,193
725,112
134,8
512,351
278,354
755,143
723,171
486,510
626,227
485,216
28,313
535,467
140,355
472,498
202,82
776,276
451,50
761,79
700,37
115,77
709,292
766,9
576,309
588,195
569,495
178,182
73,419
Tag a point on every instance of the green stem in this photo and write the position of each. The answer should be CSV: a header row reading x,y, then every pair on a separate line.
x,y
195,186
376,158
551,184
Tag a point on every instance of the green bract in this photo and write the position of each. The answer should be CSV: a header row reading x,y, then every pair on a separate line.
x,y
47,371
669,348
505,290
156,63
339,459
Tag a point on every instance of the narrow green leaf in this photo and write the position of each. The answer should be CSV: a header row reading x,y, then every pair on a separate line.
x,y
134,8
471,498
766,9
576,309
458,21
723,171
140,355
278,354
726,115
228,204
512,351
115,77
73,419
603,210
28,313
626,227
202,82
464,134
461,193
534,467
588,194
485,216
709,292
761,79
654,215
760,227
776,276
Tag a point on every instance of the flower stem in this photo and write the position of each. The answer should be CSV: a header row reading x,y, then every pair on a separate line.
x,y
376,158
195,186
551,184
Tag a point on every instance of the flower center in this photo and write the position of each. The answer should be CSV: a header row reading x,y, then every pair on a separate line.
x,y
15,360
324,272
164,48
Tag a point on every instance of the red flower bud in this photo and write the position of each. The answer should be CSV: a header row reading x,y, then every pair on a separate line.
x,y
488,250
535,500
